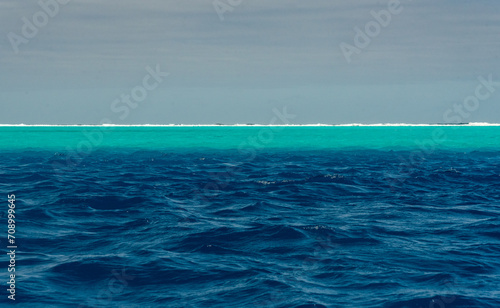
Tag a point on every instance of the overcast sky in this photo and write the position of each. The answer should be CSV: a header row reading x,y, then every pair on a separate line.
x,y
234,62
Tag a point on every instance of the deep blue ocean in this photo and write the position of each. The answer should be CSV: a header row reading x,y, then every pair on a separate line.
x,y
193,227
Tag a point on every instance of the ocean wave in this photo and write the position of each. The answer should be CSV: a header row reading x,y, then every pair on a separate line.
x,y
144,228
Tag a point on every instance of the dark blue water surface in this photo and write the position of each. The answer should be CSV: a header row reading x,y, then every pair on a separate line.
x,y
125,228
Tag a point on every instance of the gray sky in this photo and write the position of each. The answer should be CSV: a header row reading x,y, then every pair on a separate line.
x,y
236,65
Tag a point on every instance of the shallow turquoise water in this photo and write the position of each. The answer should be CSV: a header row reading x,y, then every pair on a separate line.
x,y
426,138
320,217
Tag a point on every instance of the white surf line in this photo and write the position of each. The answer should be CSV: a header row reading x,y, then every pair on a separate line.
x,y
252,125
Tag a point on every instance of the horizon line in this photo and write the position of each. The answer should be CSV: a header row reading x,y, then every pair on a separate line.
x,y
253,125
